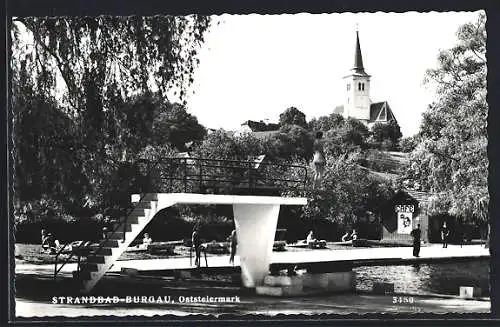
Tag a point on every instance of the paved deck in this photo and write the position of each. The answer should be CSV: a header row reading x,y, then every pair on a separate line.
x,y
357,257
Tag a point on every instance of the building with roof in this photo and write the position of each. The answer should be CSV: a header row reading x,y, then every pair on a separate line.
x,y
357,103
257,128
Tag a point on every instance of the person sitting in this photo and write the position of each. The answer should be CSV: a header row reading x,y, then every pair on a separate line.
x,y
310,238
346,237
146,240
49,243
354,235
105,233
45,240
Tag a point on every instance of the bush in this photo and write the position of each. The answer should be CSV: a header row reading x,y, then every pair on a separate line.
x,y
408,144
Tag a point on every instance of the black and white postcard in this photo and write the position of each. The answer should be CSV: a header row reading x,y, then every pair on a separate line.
x,y
248,164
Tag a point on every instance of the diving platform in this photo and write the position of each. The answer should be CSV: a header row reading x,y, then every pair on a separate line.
x,y
255,217
252,187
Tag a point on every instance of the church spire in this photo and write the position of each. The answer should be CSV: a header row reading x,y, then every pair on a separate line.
x,y
358,59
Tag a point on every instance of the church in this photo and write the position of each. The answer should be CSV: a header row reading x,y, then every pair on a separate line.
x,y
357,103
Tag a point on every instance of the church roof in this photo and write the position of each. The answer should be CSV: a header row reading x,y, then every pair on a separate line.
x,y
376,109
358,59
338,110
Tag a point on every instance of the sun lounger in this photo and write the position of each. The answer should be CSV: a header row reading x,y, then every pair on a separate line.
x,y
216,247
318,244
360,242
279,246
168,247
137,248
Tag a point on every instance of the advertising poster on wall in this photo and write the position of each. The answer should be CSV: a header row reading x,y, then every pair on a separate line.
x,y
405,222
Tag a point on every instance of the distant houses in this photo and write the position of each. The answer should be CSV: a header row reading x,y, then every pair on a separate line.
x,y
259,129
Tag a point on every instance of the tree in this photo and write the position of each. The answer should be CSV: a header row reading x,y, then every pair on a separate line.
x,y
451,159
90,69
348,137
348,192
408,144
118,56
297,141
293,116
326,123
387,132
218,145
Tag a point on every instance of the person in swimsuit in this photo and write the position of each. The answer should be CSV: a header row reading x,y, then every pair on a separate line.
x,y
318,159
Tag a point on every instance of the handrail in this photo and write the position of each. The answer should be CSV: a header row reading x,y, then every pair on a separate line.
x,y
246,168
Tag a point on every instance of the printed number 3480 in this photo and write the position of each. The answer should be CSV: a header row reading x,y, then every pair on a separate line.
x,y
402,299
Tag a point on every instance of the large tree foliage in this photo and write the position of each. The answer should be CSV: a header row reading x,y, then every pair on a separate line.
x,y
387,132
117,56
347,193
293,116
451,159
89,93
326,123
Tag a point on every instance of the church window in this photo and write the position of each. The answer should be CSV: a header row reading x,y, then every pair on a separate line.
x,y
362,86
359,86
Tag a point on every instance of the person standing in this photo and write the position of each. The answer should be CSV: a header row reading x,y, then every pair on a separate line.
x,y
233,244
445,232
196,244
319,160
416,234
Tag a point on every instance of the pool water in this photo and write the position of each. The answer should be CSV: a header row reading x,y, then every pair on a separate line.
x,y
440,278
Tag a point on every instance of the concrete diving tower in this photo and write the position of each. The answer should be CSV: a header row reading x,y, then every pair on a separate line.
x,y
255,218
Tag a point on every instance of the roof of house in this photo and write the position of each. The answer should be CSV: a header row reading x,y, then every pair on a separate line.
x,y
418,195
260,126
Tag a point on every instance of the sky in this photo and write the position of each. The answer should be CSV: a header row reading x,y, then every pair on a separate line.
x,y
256,66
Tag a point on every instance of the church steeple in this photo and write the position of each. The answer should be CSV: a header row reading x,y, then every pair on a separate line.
x,y
357,91
358,58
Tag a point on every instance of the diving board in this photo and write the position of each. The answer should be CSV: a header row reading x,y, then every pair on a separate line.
x,y
255,217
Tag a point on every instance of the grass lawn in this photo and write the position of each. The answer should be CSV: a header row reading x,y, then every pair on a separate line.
x,y
32,253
